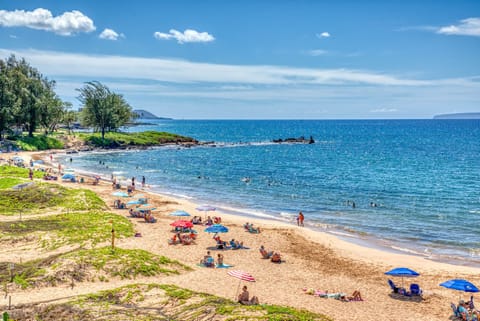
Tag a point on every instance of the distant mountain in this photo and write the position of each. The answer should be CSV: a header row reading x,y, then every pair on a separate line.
x,y
143,114
458,116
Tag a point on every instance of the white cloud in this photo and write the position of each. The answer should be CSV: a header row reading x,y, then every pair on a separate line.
x,y
467,27
317,52
384,110
188,35
183,71
68,23
110,34
323,35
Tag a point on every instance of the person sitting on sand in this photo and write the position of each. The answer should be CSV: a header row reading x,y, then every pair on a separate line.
x,y
238,245
276,258
219,259
209,221
265,254
220,244
197,220
247,226
243,297
208,260
217,219
173,240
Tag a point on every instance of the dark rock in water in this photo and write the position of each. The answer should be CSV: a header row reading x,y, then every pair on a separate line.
x,y
291,140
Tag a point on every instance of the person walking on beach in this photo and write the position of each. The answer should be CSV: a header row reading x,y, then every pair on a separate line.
x,y
300,219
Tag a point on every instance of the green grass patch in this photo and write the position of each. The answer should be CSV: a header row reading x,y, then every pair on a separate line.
x,y
125,263
148,302
17,172
147,138
53,231
90,265
9,182
48,197
37,142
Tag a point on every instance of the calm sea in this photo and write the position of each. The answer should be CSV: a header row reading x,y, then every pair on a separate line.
x,y
422,175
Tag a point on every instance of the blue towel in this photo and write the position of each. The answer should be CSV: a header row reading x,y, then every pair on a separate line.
x,y
223,266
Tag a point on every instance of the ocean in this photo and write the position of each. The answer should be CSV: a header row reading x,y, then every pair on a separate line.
x,y
415,183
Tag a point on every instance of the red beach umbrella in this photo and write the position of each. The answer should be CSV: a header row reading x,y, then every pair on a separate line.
x,y
242,275
182,223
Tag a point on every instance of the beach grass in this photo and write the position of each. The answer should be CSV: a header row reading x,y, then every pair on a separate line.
x,y
147,302
17,172
100,264
79,228
37,142
42,197
147,138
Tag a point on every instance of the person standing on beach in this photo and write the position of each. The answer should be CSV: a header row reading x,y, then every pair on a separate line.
x,y
300,219
30,174
143,181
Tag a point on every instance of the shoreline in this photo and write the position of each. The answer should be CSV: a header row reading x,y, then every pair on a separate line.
x,y
313,259
354,237
237,214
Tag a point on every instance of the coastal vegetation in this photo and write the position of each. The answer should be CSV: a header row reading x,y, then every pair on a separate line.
x,y
76,228
28,103
170,302
140,139
82,265
103,110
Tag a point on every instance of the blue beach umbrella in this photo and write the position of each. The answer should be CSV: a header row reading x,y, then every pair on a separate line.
x,y
402,272
460,285
179,213
135,202
68,176
121,194
216,228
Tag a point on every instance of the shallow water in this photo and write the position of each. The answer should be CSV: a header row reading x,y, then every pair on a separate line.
x,y
423,175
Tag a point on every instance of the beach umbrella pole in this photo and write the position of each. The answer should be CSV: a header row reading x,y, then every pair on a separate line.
x,y
236,292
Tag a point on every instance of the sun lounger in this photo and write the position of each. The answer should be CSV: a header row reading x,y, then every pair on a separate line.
x,y
393,286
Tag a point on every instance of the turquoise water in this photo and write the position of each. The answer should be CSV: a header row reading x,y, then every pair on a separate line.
x,y
424,176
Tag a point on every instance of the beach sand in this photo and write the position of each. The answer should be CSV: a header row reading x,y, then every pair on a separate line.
x,y
312,260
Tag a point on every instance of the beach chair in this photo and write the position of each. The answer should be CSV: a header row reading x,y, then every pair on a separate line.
x,y
392,286
456,314
415,289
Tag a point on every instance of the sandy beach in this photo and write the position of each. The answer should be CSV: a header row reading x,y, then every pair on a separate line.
x,y
312,260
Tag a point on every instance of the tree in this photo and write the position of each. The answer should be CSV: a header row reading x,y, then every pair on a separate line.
x,y
69,116
102,109
29,89
6,99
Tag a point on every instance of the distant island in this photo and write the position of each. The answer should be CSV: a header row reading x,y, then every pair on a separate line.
x,y
458,116
143,114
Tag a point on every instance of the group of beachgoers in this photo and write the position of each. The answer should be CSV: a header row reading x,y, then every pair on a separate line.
x,y
465,310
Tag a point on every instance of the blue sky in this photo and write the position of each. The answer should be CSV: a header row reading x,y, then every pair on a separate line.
x,y
257,59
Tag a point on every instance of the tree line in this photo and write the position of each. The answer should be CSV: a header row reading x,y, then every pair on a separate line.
x,y
28,102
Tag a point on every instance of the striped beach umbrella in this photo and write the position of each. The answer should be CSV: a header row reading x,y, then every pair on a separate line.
x,y
242,276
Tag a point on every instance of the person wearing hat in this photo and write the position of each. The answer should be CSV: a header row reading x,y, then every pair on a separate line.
x,y
462,310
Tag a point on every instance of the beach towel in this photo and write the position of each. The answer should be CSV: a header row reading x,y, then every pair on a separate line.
x,y
223,266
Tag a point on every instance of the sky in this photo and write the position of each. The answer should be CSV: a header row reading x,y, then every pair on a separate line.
x,y
257,59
